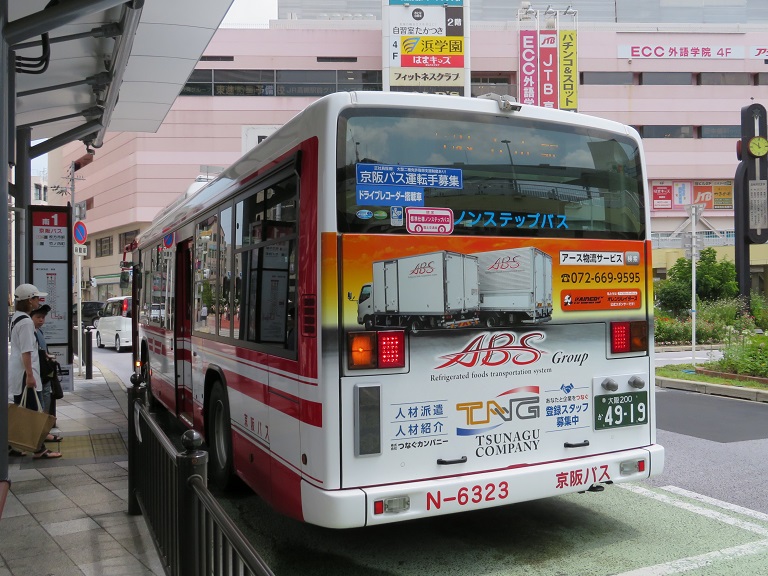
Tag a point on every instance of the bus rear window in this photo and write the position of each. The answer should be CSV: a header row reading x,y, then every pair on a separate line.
x,y
499,175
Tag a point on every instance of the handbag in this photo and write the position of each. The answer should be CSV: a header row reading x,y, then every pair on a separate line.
x,y
27,429
56,390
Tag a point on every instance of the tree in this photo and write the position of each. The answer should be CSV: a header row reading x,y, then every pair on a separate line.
x,y
714,281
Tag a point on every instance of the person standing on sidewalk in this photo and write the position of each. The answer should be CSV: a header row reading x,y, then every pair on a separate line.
x,y
49,401
23,362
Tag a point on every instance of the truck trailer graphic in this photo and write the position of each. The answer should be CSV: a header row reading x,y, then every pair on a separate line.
x,y
450,290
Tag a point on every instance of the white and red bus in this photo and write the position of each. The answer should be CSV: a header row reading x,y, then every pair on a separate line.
x,y
404,305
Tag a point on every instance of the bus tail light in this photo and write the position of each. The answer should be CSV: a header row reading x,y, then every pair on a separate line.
x,y
629,337
362,350
391,347
384,349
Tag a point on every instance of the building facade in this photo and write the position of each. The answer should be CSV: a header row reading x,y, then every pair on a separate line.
x,y
681,85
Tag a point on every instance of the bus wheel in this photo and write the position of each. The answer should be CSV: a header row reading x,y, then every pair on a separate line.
x,y
219,433
99,343
118,348
491,322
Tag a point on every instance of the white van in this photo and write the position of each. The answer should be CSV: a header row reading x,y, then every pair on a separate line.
x,y
115,324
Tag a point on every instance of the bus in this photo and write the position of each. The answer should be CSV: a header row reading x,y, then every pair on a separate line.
x,y
404,305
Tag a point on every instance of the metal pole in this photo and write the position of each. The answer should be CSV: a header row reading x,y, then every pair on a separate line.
x,y
6,103
694,215
191,462
79,287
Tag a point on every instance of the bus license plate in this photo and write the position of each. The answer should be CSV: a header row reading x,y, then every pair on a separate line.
x,y
618,410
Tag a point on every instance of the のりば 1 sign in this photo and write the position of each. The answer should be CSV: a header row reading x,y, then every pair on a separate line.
x,y
436,221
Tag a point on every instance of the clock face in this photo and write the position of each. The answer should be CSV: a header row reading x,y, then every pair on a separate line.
x,y
758,146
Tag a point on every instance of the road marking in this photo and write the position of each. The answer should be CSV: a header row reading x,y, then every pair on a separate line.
x,y
702,560
693,562
712,514
719,503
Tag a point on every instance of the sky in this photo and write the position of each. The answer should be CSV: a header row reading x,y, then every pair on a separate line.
x,y
251,12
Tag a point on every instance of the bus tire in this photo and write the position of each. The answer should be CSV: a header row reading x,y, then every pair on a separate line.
x,y
219,433
99,343
118,348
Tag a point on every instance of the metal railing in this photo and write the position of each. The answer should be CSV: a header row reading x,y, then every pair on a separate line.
x,y
191,531
704,239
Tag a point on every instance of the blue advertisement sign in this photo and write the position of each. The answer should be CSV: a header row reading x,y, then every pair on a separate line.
x,y
376,195
389,184
421,176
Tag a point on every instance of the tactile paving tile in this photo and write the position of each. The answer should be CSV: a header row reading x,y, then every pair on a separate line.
x,y
90,445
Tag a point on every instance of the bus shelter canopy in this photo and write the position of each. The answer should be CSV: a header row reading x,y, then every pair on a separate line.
x,y
104,64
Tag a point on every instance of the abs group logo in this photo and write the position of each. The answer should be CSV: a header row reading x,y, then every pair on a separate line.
x,y
496,349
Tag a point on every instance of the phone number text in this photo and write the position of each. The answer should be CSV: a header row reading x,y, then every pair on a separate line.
x,y
600,278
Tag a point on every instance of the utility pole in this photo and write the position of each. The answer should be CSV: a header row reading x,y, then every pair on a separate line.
x,y
70,188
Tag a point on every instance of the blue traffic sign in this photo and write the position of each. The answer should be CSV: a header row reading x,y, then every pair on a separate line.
x,y
80,233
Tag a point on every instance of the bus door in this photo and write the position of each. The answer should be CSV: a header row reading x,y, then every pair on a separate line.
x,y
183,332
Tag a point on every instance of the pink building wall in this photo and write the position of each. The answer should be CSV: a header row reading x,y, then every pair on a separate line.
x,y
135,175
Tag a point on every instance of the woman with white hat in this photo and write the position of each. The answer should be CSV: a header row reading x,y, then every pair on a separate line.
x,y
23,362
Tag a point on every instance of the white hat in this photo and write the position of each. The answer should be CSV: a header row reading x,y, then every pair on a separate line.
x,y
27,291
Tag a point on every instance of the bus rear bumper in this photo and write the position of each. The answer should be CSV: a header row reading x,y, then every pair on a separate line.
x,y
362,507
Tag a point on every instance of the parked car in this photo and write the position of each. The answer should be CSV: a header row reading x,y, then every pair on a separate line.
x,y
115,324
91,309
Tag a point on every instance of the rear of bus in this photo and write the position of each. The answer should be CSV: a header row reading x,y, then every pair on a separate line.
x,y
492,280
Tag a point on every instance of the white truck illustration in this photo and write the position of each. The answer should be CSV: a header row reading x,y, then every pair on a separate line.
x,y
451,290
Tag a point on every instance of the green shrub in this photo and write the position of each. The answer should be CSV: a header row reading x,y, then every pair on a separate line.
x,y
759,310
673,331
745,353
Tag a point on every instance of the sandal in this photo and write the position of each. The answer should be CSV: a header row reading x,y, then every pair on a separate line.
x,y
14,452
53,438
46,455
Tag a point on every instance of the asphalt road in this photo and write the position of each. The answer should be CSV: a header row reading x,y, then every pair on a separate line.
x,y
706,515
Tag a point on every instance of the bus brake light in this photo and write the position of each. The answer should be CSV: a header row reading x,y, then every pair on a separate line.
x,y
384,349
629,337
391,347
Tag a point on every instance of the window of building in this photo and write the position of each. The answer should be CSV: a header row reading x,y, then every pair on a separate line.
x,y
38,193
104,247
312,83
666,131
358,80
608,78
126,238
733,131
665,78
725,78
761,78
502,85
87,251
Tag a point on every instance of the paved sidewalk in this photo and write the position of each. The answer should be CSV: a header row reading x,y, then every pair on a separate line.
x,y
69,516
